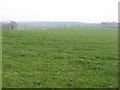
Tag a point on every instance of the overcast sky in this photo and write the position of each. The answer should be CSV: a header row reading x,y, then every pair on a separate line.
x,y
59,10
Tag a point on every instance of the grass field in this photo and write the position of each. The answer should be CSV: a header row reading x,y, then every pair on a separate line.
x,y
60,58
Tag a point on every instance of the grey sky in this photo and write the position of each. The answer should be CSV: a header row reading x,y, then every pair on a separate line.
x,y
59,10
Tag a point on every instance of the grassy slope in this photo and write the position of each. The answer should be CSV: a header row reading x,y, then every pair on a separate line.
x,y
60,58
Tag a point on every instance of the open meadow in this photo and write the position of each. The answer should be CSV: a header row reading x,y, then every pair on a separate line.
x,y
60,58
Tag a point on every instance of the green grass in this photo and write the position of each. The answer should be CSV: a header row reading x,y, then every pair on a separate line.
x,y
60,58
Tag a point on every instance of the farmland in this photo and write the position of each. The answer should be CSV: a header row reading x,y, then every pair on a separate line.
x,y
60,58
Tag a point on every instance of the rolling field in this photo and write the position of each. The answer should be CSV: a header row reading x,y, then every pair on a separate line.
x,y
60,58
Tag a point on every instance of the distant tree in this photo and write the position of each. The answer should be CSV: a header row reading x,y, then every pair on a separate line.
x,y
9,26
13,25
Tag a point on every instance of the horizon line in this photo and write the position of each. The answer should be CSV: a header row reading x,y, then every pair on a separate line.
x,y
59,21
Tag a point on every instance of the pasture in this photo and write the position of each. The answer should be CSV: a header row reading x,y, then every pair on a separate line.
x,y
60,58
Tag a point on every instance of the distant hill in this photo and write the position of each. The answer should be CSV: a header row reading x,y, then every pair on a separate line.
x,y
50,24
63,24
